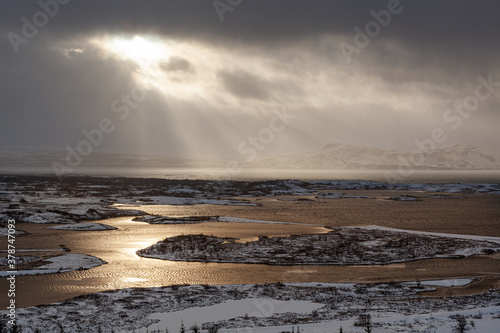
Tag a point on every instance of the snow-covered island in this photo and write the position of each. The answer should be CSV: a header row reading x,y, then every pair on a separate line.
x,y
62,263
160,219
341,246
83,227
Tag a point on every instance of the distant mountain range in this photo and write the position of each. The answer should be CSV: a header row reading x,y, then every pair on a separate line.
x,y
345,156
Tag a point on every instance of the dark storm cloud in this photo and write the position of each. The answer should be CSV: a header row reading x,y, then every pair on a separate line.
x,y
451,34
445,23
430,55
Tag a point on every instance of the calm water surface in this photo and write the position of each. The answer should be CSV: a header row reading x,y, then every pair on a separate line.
x,y
126,269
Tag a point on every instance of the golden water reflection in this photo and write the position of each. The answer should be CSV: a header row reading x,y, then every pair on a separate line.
x,y
125,269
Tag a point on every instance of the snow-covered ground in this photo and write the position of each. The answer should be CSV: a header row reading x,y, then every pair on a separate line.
x,y
83,227
62,263
460,188
269,308
315,307
440,322
46,200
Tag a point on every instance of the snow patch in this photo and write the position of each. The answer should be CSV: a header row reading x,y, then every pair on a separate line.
x,y
338,195
83,227
253,307
62,263
444,283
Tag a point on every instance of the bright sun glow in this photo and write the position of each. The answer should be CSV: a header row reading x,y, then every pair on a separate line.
x,y
139,49
147,52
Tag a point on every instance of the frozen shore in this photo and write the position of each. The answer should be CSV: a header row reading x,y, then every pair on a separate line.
x,y
315,307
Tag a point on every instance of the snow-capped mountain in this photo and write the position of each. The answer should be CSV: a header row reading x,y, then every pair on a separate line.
x,y
346,156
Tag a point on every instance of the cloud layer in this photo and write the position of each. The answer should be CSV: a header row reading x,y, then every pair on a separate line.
x,y
211,84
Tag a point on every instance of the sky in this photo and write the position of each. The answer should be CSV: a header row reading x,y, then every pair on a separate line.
x,y
220,78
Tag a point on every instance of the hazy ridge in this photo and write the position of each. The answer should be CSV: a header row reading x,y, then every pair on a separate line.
x,y
346,156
